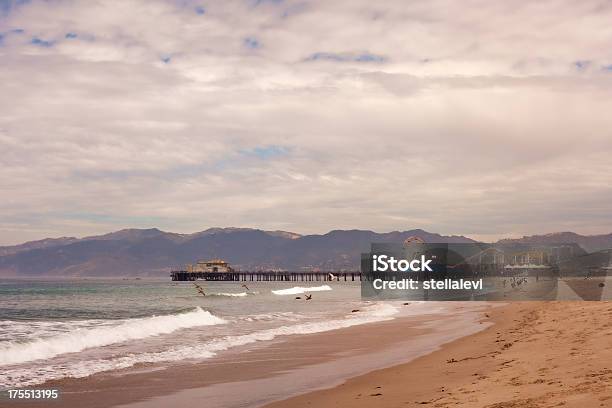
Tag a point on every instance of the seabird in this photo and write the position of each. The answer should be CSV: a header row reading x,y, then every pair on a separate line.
x,y
199,288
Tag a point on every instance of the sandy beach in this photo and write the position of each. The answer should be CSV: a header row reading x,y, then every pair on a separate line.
x,y
528,354
270,371
305,204
537,354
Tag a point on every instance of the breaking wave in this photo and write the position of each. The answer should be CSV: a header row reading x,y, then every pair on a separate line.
x,y
84,338
298,289
370,314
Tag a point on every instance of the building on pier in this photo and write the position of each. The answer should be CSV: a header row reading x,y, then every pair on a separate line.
x,y
211,266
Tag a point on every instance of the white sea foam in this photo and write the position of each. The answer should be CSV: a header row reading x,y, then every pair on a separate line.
x,y
84,338
241,294
39,374
298,289
11,330
280,316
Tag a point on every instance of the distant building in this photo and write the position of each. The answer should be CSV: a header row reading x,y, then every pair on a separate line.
x,y
489,256
213,265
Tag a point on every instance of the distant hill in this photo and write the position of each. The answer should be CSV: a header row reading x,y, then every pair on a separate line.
x,y
590,243
43,243
152,252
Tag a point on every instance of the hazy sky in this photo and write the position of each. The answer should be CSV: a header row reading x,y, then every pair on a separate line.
x,y
480,118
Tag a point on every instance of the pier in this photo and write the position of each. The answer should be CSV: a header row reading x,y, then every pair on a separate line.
x,y
263,276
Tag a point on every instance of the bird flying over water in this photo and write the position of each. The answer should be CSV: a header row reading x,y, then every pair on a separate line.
x,y
199,288
308,297
246,287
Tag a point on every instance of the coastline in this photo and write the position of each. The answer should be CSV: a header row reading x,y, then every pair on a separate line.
x,y
272,371
537,354
486,355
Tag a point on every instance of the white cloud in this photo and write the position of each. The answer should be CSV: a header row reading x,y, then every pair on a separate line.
x,y
472,117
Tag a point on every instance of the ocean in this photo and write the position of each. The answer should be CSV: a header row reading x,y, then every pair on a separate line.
x,y
75,328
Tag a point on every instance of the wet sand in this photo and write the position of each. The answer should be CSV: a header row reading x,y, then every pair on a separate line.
x,y
537,354
530,354
267,372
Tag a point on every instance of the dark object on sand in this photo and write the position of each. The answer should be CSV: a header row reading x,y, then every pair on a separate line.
x,y
406,304
297,297
378,394
601,284
354,310
308,297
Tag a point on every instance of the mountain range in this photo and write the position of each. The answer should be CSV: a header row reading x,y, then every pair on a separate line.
x,y
152,252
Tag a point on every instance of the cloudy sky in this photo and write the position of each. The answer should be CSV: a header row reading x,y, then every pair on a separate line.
x,y
480,118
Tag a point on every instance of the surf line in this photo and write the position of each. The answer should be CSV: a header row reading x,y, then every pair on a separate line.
x,y
412,284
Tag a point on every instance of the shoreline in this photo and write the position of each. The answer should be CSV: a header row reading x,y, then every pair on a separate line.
x,y
466,354
273,371
537,354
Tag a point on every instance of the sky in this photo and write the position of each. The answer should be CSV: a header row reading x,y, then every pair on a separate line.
x,y
483,118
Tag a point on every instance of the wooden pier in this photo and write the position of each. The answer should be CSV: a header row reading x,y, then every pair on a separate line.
x,y
182,275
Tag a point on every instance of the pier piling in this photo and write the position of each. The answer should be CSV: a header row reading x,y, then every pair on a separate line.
x,y
264,276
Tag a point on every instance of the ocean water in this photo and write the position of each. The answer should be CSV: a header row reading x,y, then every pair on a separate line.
x,y
58,329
